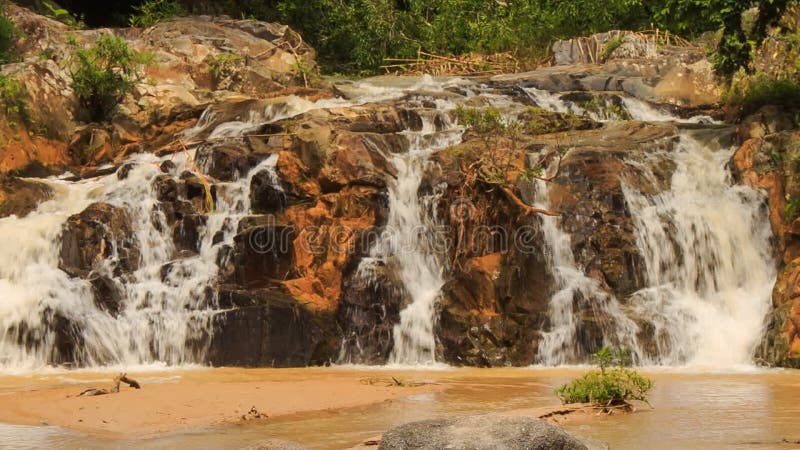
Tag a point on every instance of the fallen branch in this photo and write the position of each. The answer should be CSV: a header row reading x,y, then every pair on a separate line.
x,y
121,378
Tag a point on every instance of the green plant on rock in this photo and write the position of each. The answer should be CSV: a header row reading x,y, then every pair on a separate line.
x,y
792,209
8,33
612,44
153,11
13,100
613,384
104,73
64,16
224,65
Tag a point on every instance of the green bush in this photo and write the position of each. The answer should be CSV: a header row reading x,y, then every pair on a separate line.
x,y
223,65
608,386
103,74
153,11
13,101
8,32
64,16
753,92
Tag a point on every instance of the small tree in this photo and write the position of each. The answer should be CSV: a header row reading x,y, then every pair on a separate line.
x,y
613,385
103,74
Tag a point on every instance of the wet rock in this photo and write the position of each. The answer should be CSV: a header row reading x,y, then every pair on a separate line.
x,y
108,295
265,196
187,232
263,254
227,161
67,338
93,236
770,163
480,432
368,311
20,197
166,188
168,167
264,328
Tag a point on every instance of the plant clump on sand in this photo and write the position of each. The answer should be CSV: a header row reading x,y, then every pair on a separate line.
x,y
613,384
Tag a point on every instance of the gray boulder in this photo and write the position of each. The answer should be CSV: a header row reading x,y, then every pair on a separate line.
x,y
480,432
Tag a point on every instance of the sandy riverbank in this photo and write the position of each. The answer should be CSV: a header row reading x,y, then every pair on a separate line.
x,y
194,400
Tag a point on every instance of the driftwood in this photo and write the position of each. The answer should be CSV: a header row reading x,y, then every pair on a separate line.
x,y
121,378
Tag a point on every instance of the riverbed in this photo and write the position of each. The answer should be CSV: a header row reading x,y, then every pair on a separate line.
x,y
340,407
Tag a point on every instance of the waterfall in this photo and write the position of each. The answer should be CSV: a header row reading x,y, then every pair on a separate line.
x,y
575,291
165,304
706,244
406,246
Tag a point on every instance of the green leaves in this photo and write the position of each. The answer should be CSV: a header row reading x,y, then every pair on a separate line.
x,y
104,74
13,101
153,11
8,33
607,386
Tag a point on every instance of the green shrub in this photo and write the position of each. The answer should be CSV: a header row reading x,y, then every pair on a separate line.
x,y
103,74
13,101
608,386
64,16
752,92
612,44
153,11
223,65
8,32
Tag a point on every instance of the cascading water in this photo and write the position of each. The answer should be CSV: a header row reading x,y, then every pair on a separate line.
x,y
706,244
404,244
574,291
162,311
166,310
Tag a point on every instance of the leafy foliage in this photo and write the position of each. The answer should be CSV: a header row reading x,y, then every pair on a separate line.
x,y
223,65
8,32
153,11
103,74
613,384
64,16
13,101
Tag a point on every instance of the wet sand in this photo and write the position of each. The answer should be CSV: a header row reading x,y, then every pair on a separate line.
x,y
193,400
338,408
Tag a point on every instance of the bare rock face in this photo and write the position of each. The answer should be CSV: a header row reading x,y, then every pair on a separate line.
x,y
266,328
94,235
768,160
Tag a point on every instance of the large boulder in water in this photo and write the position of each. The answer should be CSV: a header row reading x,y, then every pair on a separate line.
x,y
96,234
480,433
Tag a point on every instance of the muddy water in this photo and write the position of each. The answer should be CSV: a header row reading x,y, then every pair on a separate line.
x,y
691,410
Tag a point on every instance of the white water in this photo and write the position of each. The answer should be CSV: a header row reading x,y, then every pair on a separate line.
x,y
710,270
165,320
405,246
574,291
637,109
709,289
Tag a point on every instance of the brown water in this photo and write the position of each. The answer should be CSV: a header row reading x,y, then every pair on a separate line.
x,y
691,410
